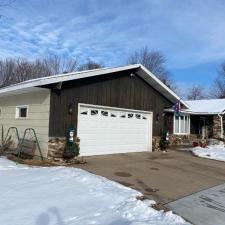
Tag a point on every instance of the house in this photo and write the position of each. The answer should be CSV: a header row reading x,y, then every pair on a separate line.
x,y
112,110
202,119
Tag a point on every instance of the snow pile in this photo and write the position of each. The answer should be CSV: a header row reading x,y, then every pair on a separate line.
x,y
68,196
216,152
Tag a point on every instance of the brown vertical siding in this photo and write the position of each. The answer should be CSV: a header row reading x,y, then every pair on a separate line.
x,y
115,90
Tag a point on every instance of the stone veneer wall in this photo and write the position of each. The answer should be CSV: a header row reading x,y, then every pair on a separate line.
x,y
175,140
182,139
217,126
56,147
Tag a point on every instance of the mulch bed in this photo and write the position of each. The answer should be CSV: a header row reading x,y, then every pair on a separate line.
x,y
45,162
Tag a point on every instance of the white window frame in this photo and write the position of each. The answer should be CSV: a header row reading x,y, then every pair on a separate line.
x,y
179,124
18,113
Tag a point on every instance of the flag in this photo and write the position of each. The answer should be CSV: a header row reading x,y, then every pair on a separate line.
x,y
177,107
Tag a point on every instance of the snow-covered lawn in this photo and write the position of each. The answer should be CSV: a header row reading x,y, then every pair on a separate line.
x,y
67,196
216,152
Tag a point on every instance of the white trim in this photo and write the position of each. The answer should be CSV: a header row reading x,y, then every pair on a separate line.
x,y
159,82
18,107
65,77
112,108
151,79
188,112
179,124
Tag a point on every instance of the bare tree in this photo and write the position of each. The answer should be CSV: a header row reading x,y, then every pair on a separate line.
x,y
90,65
218,90
196,92
17,70
154,61
7,70
56,64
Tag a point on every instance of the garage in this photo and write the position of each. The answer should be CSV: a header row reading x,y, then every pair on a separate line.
x,y
111,110
107,130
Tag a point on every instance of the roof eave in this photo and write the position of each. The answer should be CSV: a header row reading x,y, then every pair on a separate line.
x,y
165,90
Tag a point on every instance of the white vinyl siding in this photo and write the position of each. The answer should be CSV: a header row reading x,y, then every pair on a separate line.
x,y
38,108
181,124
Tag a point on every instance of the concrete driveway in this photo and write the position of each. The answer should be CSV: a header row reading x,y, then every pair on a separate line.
x,y
163,177
205,207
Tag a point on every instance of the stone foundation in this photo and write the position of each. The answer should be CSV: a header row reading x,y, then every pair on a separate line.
x,y
217,126
56,147
155,144
182,139
176,140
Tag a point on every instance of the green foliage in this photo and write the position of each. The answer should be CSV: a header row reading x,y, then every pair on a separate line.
x,y
71,150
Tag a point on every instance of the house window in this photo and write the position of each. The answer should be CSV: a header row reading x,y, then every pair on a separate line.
x,y
181,124
21,112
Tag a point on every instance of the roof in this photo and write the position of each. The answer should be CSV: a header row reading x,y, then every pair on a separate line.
x,y
207,106
35,84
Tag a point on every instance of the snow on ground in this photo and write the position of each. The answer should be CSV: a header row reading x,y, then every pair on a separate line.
x,y
68,196
216,152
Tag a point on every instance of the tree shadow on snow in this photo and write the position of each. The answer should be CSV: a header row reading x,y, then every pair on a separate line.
x,y
45,218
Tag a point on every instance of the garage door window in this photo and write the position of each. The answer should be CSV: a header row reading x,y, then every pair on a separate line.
x,y
113,114
84,112
130,115
94,112
122,115
105,113
138,116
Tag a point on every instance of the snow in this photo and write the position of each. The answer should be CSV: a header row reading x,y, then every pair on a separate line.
x,y
68,196
216,152
211,106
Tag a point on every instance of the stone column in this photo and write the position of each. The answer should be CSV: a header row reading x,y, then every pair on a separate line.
x,y
216,126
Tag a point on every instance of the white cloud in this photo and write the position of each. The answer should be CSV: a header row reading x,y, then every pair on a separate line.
x,y
189,33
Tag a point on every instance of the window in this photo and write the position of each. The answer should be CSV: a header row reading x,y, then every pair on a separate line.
x,y
113,115
21,112
94,112
84,113
138,116
104,113
122,115
130,115
181,124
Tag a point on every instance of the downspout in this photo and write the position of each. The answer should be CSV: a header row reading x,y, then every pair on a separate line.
x,y
221,124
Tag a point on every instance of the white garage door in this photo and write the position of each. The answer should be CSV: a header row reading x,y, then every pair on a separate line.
x,y
106,130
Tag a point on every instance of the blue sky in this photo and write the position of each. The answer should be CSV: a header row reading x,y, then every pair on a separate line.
x,y
189,33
